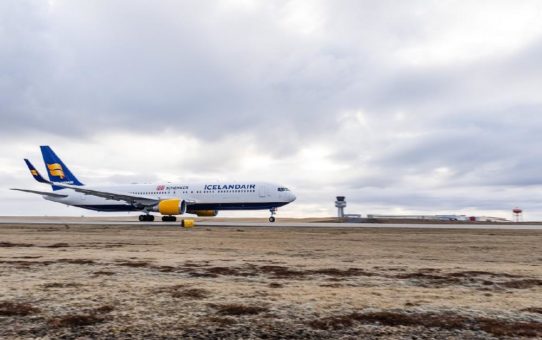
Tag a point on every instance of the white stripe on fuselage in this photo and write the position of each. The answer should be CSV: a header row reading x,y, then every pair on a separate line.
x,y
201,193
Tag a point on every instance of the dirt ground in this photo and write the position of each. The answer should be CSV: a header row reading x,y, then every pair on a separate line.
x,y
63,281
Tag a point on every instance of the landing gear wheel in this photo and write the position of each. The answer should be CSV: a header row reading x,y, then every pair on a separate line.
x,y
169,218
146,218
273,212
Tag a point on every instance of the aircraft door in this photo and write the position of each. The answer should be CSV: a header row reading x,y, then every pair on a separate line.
x,y
263,191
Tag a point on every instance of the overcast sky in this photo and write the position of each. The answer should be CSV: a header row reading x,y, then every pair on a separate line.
x,y
402,106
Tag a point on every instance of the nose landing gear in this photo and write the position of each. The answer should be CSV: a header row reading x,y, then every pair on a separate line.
x,y
273,212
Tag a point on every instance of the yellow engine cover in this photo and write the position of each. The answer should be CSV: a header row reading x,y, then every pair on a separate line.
x,y
188,223
206,212
169,207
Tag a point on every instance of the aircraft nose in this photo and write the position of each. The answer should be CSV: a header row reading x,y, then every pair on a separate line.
x,y
292,197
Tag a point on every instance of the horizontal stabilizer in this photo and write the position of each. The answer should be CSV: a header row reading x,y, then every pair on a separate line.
x,y
43,193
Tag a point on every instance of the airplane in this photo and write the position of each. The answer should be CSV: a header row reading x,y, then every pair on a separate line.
x,y
167,199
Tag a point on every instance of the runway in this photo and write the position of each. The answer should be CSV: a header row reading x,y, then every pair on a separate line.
x,y
127,221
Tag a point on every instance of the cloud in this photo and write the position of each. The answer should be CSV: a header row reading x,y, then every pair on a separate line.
x,y
425,106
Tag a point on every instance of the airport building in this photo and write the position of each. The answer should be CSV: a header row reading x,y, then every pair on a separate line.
x,y
340,204
463,218
421,217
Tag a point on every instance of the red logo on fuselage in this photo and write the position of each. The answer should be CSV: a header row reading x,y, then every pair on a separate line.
x,y
160,187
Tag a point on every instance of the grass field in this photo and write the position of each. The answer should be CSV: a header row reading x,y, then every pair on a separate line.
x,y
164,282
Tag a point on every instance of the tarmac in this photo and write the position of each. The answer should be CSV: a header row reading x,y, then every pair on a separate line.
x,y
224,222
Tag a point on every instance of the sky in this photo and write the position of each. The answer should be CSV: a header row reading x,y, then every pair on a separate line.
x,y
418,107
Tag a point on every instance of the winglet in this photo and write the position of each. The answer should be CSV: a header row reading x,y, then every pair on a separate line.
x,y
37,176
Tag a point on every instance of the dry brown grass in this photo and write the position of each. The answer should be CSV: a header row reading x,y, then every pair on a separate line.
x,y
184,292
22,263
103,272
75,320
280,272
339,273
104,309
135,264
426,278
166,269
76,261
85,318
191,293
522,284
501,328
268,282
62,285
223,271
333,322
58,245
496,327
472,273
238,309
10,245
203,275
10,308
222,321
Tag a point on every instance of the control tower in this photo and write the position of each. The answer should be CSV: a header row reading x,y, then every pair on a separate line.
x,y
340,204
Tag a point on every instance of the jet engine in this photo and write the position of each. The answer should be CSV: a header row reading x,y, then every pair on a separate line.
x,y
205,213
171,207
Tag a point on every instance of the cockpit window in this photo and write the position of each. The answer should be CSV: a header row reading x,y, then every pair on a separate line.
x,y
283,189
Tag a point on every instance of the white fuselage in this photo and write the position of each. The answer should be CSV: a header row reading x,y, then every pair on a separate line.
x,y
201,196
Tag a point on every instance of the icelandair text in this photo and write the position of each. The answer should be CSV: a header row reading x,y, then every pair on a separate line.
x,y
229,186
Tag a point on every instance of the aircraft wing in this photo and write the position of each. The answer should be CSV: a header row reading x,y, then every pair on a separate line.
x,y
43,193
132,199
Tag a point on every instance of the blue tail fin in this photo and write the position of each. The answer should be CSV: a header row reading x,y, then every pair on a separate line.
x,y
57,170
35,173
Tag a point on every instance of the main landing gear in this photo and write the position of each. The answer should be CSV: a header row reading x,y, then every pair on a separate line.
x,y
146,218
273,212
150,218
